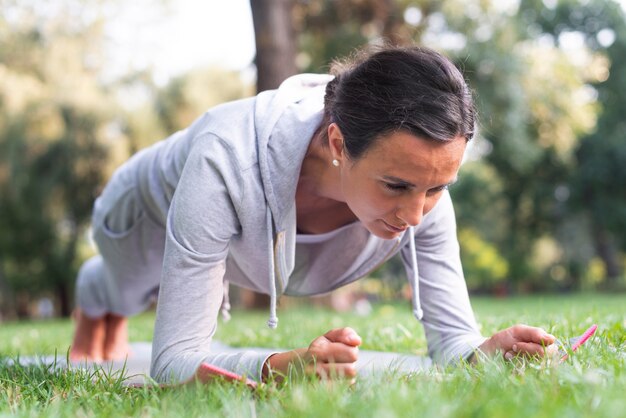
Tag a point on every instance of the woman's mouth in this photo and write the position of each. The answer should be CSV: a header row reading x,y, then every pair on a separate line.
x,y
394,228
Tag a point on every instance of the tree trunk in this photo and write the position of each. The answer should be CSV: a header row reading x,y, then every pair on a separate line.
x,y
7,299
64,299
394,29
605,248
63,281
275,42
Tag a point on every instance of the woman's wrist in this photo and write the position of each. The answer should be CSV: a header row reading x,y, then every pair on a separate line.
x,y
487,347
277,365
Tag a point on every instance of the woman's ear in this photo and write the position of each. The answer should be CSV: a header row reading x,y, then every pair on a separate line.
x,y
335,142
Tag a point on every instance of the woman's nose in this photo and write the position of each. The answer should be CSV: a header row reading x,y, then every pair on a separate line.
x,y
412,211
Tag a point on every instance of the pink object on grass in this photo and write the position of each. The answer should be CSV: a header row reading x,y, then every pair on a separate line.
x,y
209,371
205,373
577,342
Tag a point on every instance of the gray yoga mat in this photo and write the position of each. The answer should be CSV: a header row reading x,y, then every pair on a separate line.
x,y
136,369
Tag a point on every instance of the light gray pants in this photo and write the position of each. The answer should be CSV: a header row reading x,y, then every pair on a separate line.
x,y
124,278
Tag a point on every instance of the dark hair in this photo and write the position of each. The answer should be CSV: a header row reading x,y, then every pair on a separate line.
x,y
411,89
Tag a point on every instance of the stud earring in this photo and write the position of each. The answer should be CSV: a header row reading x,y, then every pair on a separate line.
x,y
336,162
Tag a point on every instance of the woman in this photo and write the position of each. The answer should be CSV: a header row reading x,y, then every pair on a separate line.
x,y
296,191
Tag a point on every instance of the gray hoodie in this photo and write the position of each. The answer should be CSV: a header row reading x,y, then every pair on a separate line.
x,y
224,189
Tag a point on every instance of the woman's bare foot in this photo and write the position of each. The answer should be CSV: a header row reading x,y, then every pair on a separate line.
x,y
115,345
88,338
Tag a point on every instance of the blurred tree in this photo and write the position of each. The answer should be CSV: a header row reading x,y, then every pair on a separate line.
x,y
533,108
151,112
329,29
55,117
597,185
188,96
483,265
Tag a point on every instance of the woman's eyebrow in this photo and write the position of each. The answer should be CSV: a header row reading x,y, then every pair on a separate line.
x,y
398,180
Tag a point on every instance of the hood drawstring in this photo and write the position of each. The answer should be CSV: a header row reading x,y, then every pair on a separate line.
x,y
272,322
415,295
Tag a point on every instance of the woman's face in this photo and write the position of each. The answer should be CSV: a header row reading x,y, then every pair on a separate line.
x,y
399,180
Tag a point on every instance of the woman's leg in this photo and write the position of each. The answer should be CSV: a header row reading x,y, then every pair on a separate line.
x,y
132,267
97,339
99,335
115,345
122,280
90,333
89,338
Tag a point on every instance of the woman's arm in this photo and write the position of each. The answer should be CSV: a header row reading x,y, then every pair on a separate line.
x,y
451,330
201,221
449,324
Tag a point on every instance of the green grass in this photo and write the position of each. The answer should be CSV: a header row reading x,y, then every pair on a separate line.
x,y
592,383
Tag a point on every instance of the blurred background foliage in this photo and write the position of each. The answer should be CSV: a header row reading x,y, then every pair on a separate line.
x,y
541,199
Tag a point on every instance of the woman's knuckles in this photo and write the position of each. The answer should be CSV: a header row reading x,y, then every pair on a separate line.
x,y
344,335
350,370
336,370
352,355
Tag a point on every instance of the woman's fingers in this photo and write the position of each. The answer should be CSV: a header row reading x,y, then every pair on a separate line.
x,y
518,340
529,349
530,334
334,354
344,335
333,370
325,351
340,353
336,346
527,341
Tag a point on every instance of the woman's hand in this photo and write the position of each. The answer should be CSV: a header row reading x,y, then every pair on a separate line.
x,y
331,356
517,340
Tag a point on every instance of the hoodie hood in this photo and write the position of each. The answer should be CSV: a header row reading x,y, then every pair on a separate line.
x,y
306,90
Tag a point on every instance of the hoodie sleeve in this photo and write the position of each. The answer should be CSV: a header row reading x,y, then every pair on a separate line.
x,y
449,324
200,223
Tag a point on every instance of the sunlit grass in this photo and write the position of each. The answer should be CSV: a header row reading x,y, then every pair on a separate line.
x,y
592,383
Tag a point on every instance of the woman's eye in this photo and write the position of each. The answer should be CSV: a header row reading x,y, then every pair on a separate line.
x,y
396,187
438,189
